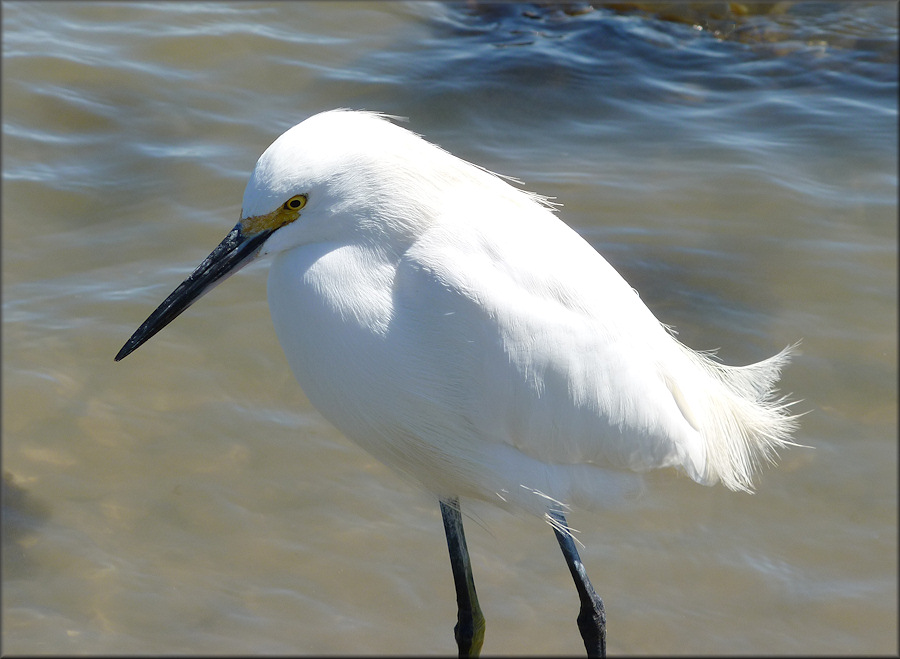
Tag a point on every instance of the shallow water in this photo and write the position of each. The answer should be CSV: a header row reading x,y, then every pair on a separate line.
x,y
740,171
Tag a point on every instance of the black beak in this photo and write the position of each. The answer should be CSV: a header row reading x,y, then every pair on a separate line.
x,y
233,253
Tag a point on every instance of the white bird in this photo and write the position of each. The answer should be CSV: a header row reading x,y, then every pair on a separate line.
x,y
455,328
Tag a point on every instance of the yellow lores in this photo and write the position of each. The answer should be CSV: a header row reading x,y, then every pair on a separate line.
x,y
279,217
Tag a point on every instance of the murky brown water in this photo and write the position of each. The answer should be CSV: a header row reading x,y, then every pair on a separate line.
x,y
189,499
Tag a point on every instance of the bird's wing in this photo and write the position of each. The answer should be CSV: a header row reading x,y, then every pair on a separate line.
x,y
536,342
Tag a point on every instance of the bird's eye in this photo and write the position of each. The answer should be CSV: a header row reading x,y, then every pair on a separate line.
x,y
295,203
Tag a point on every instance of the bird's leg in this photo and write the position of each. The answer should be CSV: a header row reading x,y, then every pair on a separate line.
x,y
469,630
591,618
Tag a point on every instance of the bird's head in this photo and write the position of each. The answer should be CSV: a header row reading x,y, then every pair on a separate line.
x,y
338,176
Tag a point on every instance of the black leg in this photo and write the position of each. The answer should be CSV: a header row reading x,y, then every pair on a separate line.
x,y
469,630
591,618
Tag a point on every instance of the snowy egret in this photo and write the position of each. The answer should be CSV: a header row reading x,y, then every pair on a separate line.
x,y
455,328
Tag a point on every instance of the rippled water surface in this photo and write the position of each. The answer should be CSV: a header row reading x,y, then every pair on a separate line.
x,y
739,169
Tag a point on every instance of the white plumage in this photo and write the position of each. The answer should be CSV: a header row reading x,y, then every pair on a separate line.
x,y
459,331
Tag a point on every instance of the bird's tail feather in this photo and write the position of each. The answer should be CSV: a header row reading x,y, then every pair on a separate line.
x,y
741,421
